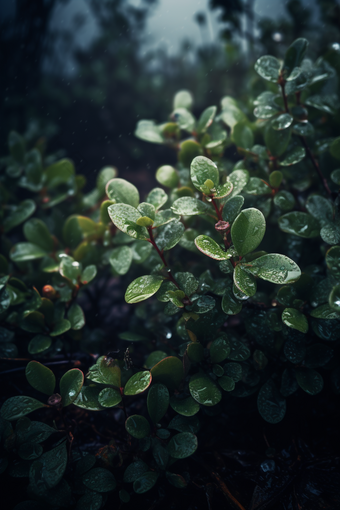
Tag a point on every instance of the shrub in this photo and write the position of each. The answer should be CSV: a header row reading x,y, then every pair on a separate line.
x,y
242,257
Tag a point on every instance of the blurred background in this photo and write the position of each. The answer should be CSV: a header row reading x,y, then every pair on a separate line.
x,y
79,74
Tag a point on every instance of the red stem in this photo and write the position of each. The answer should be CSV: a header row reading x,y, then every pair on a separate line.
x,y
218,212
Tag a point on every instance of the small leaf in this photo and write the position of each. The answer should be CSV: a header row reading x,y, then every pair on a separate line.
x,y
148,131
325,312
206,119
184,119
121,259
275,268
125,218
309,380
36,232
294,55
300,224
182,445
105,175
70,385
123,192
268,67
219,350
40,377
257,186
183,99
230,305
226,383
39,344
22,252
157,402
170,235
88,398
248,230
276,141
239,179
109,397
17,407
145,482
334,298
201,170
210,248
138,383
285,200
142,288
19,214
204,390
167,176
189,206
134,471
292,156
223,190
99,480
88,274
76,316
244,281
168,371
295,319
283,121
137,426
184,406
157,198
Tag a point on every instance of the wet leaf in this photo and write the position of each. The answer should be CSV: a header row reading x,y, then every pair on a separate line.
x,y
19,214
204,390
248,230
145,482
309,380
137,426
157,402
184,406
300,224
120,259
70,386
202,170
167,176
99,480
268,67
168,371
270,403
275,268
40,377
210,248
138,383
244,281
125,218
295,319
142,288
182,445
17,407
109,397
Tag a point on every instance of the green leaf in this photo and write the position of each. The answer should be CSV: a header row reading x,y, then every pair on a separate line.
x,y
187,282
190,206
239,351
300,224
268,67
40,377
170,235
167,176
184,119
183,99
294,55
303,128
176,480
157,402
244,281
105,175
292,156
239,179
285,200
90,501
210,248
109,397
76,316
335,148
295,319
60,172
145,482
39,344
219,350
276,141
157,197
125,218
132,337
330,233
137,426
226,383
121,259
248,230
60,327
36,232
184,406
189,149
138,383
223,190
206,119
282,121
333,261
88,398
17,407
275,268
70,269
142,288
270,403
243,135
109,372
202,170
182,445
19,214
134,471
88,274
168,371
99,480
22,252
257,186
234,371
123,192
334,298
230,305
231,113
265,111
148,131
232,208
154,358
325,312
309,380
204,390
70,385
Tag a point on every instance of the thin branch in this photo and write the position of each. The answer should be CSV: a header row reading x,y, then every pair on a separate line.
x,y
316,166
